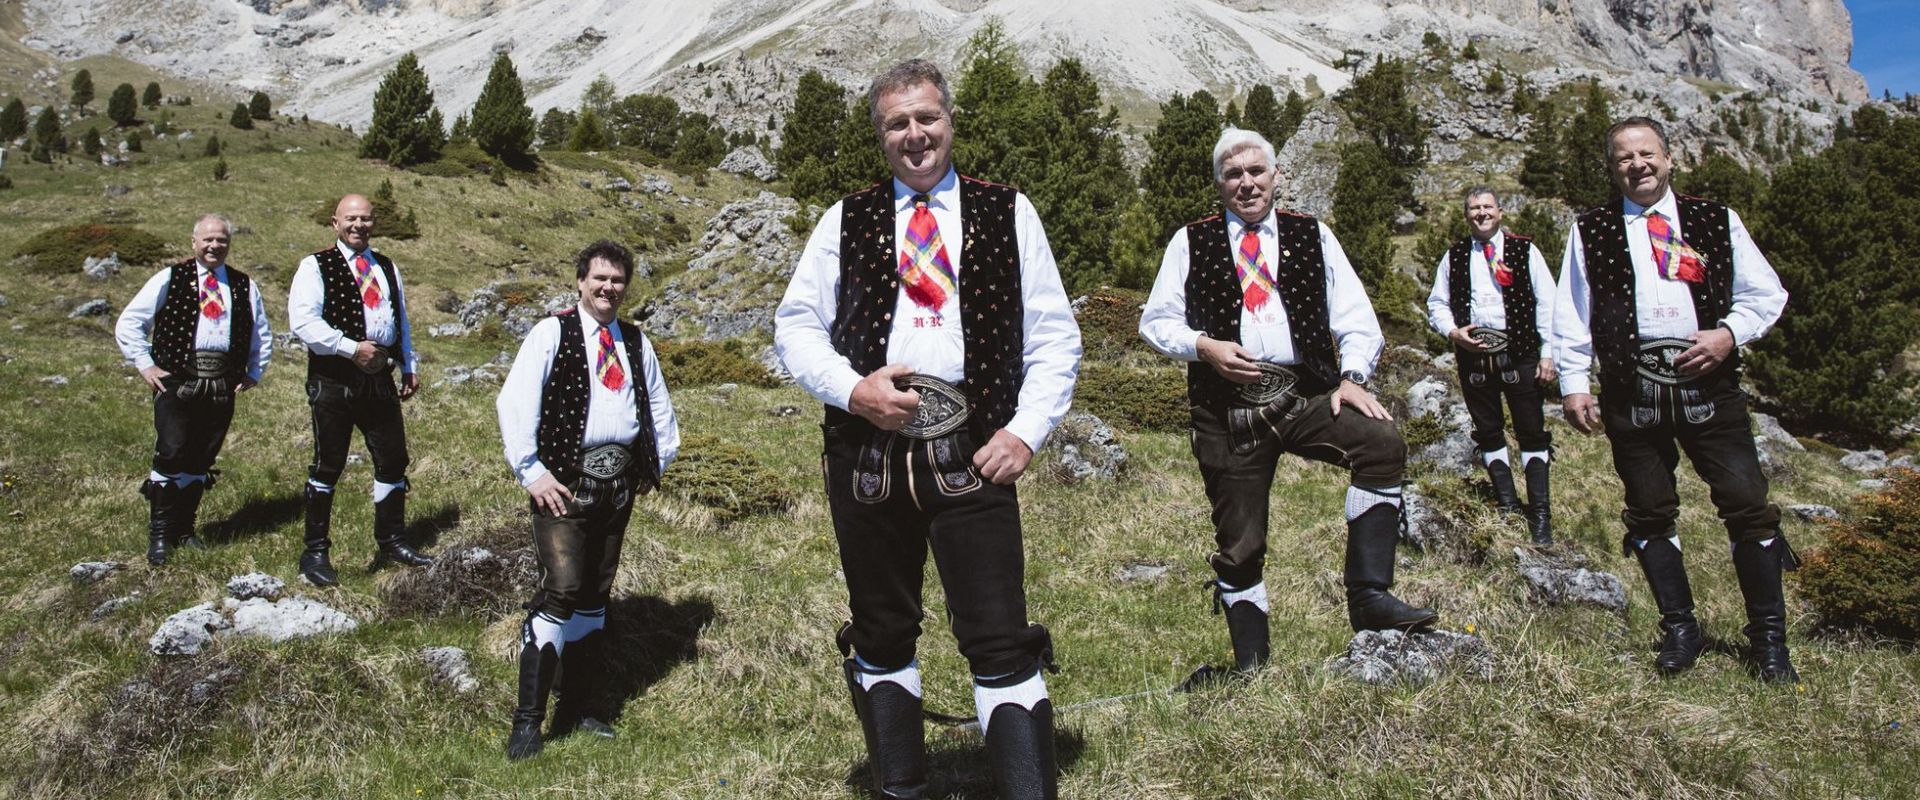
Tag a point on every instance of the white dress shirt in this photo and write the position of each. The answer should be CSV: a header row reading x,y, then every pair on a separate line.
x,y
1664,306
306,297
1488,308
610,414
1265,334
929,341
135,326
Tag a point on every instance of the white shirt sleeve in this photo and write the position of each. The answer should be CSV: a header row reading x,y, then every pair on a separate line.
x,y
1163,322
1545,294
306,297
1439,308
403,336
135,325
666,426
1572,338
1758,297
260,350
1349,311
802,324
518,405
1052,354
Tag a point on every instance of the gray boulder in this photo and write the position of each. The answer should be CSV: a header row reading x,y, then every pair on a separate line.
x,y
1871,484
187,632
619,185
1083,448
255,584
510,304
656,185
1864,460
101,268
54,380
1768,428
1423,527
1561,577
749,161
1142,572
1380,658
730,288
92,571
1813,511
101,611
450,667
96,307
290,618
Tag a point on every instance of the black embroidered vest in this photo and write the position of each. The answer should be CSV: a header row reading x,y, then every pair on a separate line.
x,y
1214,299
177,322
1614,319
342,309
1523,332
992,314
565,398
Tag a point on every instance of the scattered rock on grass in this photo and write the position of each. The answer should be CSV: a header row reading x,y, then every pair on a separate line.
x,y
1864,460
1768,428
291,618
450,666
101,611
92,571
1083,448
100,268
255,584
54,380
97,307
1813,511
1380,658
1560,577
1142,572
187,632
749,161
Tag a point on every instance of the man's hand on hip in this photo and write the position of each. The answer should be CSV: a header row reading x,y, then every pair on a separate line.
x,y
549,496
1004,459
152,376
1232,361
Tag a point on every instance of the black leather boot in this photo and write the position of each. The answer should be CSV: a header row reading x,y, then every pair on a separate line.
x,y
1758,569
1501,474
1680,638
896,738
1539,502
1020,748
162,498
186,516
390,532
1247,628
537,667
315,565
576,688
1369,574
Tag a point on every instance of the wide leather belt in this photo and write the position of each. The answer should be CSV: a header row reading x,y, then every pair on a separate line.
x,y
606,462
1493,362
1276,384
942,409
209,363
1662,389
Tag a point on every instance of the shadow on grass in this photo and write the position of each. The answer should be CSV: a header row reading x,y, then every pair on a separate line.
x,y
425,531
957,766
260,515
648,637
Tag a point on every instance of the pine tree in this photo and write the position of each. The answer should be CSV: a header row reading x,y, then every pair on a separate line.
x,y
996,111
555,127
819,106
220,170
1721,178
458,134
1082,184
1366,199
1232,115
1541,170
650,122
240,117
82,89
1291,115
260,107
588,133
858,161
1262,115
213,147
1133,249
90,141
151,97
1540,221
502,124
405,129
134,141
599,96
1382,110
13,120
46,129
122,107
1178,176
701,144
1585,181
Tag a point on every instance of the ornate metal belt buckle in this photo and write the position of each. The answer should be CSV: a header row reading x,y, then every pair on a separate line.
x,y
1654,360
1276,382
209,363
1493,339
381,361
943,409
606,462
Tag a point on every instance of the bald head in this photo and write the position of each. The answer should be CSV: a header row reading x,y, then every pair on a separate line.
x,y
353,221
211,237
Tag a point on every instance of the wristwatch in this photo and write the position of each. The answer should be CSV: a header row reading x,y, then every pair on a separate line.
x,y
1356,377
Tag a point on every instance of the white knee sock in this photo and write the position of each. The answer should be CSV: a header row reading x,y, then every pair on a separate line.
x,y
1255,594
583,622
1490,456
1359,500
907,677
381,490
547,629
1026,694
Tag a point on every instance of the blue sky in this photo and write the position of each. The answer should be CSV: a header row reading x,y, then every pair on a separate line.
x,y
1884,33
